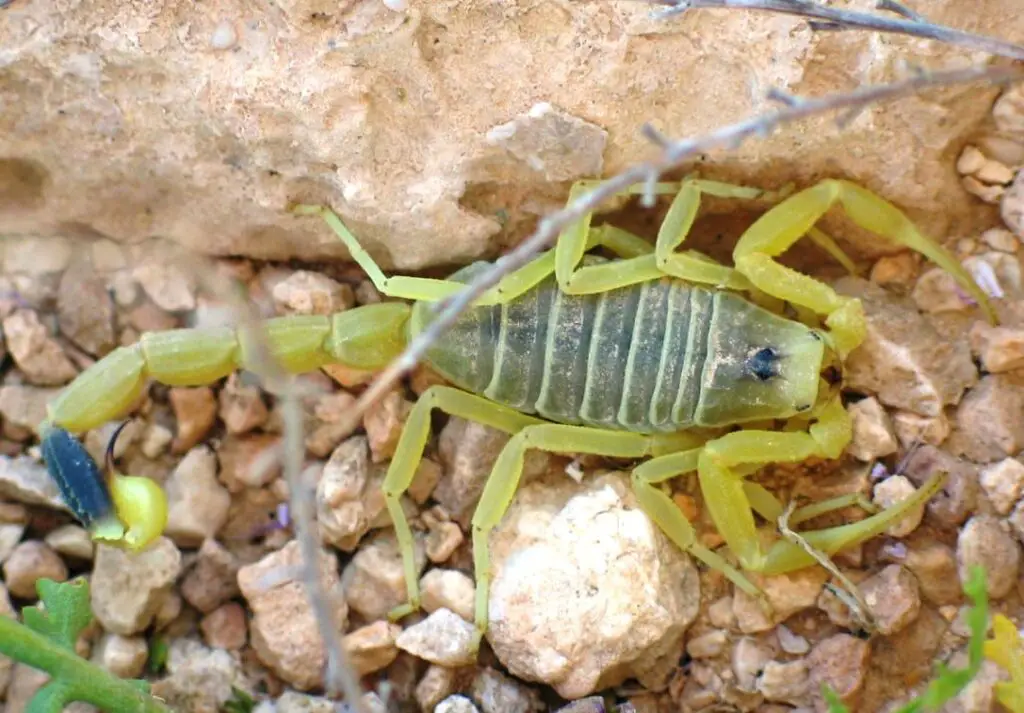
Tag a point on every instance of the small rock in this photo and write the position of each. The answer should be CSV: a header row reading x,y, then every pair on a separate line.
x,y
959,494
284,630
984,541
340,494
999,348
311,293
85,310
27,481
787,594
443,538
30,561
428,475
934,566
197,503
155,440
196,411
6,664
225,627
785,682
748,660
448,589
374,580
443,638
167,285
327,430
213,579
890,492
25,405
497,693
128,589
39,356
903,359
893,597
840,662
586,590
123,656
250,461
372,647
791,642
37,256
10,535
1003,483
988,423
873,436
241,406
911,428
169,610
1012,206
436,684
71,541
708,645
1001,239
383,423
199,680
456,704
894,270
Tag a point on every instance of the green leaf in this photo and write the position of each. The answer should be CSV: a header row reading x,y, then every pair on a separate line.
x,y
241,702
66,611
51,698
158,652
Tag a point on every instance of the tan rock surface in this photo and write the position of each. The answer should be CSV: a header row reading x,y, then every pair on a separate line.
x,y
201,123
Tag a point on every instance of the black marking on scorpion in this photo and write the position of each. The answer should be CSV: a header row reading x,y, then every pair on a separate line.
x,y
764,364
78,478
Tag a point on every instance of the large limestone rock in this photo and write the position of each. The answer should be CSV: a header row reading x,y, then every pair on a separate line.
x,y
428,127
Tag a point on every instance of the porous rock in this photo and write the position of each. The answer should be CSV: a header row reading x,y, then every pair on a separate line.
x,y
197,503
284,629
199,679
586,590
985,541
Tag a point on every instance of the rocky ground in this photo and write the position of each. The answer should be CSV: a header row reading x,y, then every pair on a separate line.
x,y
587,596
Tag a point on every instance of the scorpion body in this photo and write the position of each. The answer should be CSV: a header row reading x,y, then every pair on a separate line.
x,y
661,356
658,357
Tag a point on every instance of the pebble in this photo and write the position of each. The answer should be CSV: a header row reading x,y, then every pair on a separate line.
x,y
791,642
787,594
341,493
250,461
383,423
443,638
985,541
10,535
448,589
443,538
123,656
327,431
374,580
428,475
1008,110
155,440
436,684
586,590
873,435
24,405
71,541
37,354
999,348
959,494
128,589
988,426
841,662
895,270
785,682
497,693
935,567
167,285
903,360
749,657
372,647
25,480
212,579
224,36
1003,483
306,292
284,631
707,645
241,406
1001,239
37,256
893,598
891,491
195,410
85,310
456,704
197,503
912,428
28,562
198,678
225,627
1012,206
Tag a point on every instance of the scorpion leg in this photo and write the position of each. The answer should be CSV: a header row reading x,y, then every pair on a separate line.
x,y
775,231
409,451
725,492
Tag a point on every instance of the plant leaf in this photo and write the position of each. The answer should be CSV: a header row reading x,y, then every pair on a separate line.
x,y
66,613
51,698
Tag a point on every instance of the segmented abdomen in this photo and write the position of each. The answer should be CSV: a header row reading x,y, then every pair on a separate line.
x,y
628,359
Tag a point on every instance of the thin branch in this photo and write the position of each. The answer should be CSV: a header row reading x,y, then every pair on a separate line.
x,y
909,22
673,155
340,675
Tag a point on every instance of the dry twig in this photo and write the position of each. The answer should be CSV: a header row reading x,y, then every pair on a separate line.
x,y
835,18
674,154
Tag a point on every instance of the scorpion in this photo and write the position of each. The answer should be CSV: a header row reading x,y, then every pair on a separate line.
x,y
658,354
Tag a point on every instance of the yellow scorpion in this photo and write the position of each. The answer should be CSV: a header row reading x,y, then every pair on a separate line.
x,y
655,355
